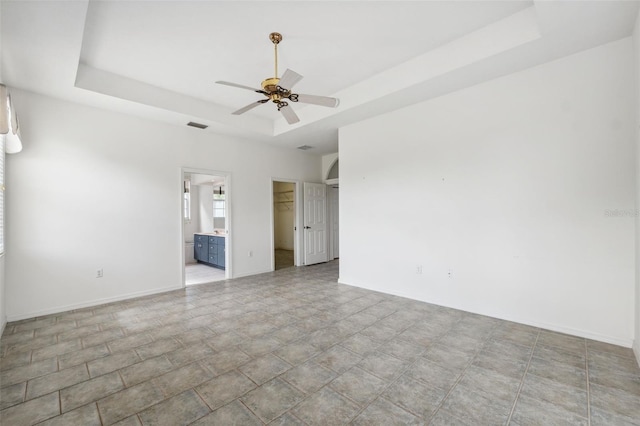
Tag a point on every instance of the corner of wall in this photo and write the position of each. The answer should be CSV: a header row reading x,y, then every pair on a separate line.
x,y
636,54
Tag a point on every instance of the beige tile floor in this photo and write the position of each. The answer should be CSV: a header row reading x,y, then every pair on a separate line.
x,y
295,348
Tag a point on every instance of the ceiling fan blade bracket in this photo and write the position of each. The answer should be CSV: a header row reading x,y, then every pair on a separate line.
x,y
293,97
282,104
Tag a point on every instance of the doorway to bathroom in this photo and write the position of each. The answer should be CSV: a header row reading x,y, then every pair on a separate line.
x,y
205,230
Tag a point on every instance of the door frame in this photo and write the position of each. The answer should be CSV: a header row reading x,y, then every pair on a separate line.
x,y
228,270
331,215
298,221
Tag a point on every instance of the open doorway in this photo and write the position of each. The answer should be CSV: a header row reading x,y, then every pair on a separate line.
x,y
333,198
205,226
284,229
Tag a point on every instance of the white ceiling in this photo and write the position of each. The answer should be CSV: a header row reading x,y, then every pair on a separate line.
x,y
160,59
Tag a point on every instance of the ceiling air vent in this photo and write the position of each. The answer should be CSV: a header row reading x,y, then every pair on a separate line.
x,y
197,125
304,147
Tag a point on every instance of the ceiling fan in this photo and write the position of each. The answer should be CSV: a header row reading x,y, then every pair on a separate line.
x,y
278,90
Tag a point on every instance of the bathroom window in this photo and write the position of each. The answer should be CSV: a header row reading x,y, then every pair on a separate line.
x,y
218,205
186,201
218,202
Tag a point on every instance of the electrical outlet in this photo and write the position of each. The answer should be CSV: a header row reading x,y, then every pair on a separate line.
x,y
419,269
450,273
250,254
99,273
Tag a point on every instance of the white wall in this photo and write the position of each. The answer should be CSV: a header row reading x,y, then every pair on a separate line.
x,y
96,189
636,51
283,216
506,184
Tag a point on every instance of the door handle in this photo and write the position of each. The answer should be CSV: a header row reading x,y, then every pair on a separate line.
x,y
307,227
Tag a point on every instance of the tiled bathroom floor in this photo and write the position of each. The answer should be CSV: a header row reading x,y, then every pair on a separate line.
x,y
293,347
198,273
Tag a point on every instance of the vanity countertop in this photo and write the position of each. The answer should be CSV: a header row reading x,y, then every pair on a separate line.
x,y
211,234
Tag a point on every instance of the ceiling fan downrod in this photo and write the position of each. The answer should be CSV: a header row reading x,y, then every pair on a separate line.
x,y
270,85
275,39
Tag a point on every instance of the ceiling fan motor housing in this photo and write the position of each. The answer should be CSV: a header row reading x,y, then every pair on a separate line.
x,y
270,84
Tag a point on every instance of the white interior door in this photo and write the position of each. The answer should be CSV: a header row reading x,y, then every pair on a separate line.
x,y
315,223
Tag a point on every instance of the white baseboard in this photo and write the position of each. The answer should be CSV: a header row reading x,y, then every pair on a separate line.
x,y
3,325
89,304
248,274
627,343
636,350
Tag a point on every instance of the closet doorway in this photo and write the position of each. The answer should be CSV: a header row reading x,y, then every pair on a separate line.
x,y
284,224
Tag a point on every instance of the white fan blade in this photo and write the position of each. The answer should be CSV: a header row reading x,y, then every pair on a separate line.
x,y
319,100
289,114
227,83
249,107
289,79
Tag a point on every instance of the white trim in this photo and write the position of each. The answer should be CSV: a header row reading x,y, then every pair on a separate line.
x,y
249,274
636,350
627,343
228,261
95,302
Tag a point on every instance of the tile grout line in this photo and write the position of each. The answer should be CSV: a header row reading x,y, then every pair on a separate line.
x,y
249,409
339,374
466,367
526,370
201,399
392,381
